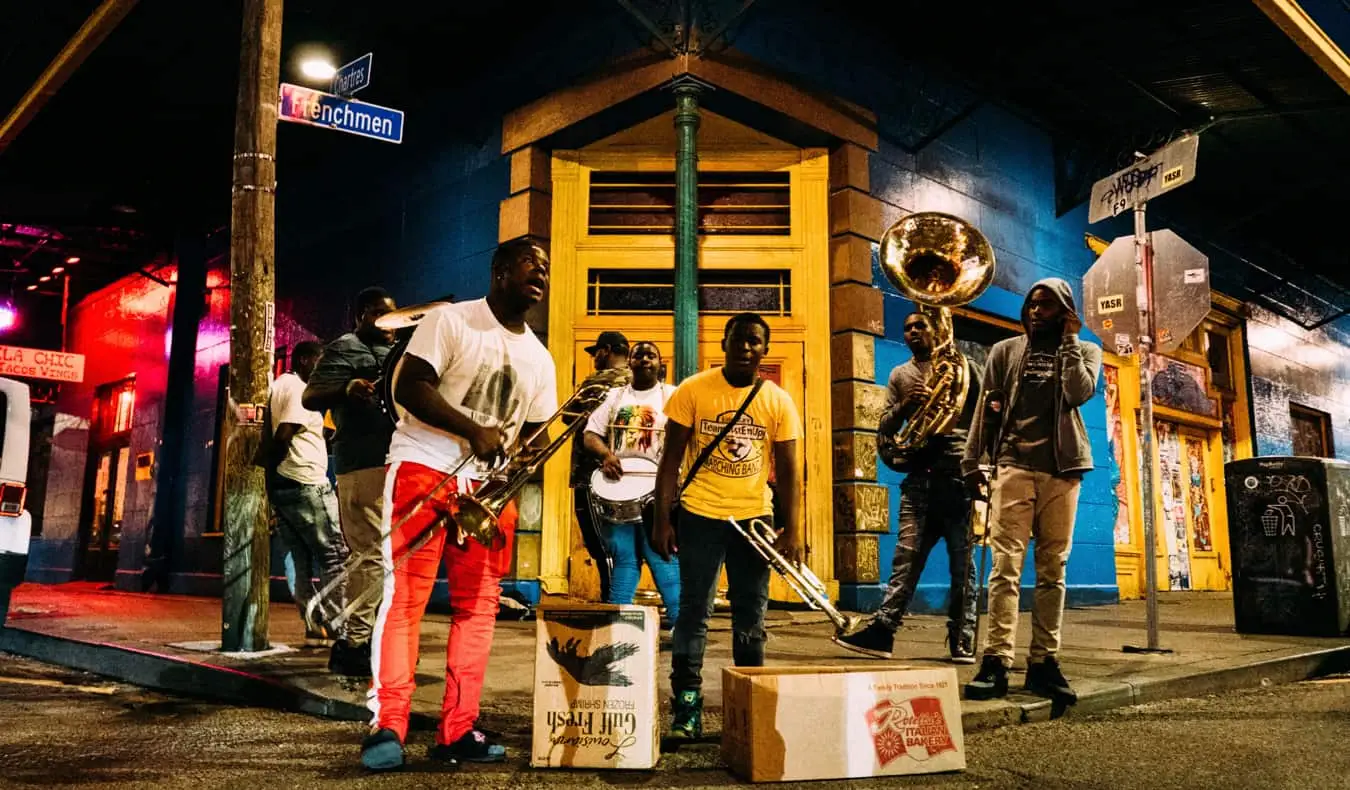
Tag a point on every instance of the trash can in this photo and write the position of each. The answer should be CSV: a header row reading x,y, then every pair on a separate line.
x,y
1289,528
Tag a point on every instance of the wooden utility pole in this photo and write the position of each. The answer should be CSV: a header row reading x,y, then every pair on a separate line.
x,y
245,599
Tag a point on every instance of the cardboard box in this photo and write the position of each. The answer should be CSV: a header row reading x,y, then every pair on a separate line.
x,y
595,687
794,723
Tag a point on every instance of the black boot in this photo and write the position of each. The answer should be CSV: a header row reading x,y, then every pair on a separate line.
x,y
1044,678
875,640
962,647
350,660
991,681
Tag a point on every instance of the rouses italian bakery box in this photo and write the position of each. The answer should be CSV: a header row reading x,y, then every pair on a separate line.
x,y
794,723
595,687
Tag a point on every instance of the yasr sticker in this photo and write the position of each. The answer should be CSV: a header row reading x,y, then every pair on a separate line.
x,y
1111,304
1194,276
1171,177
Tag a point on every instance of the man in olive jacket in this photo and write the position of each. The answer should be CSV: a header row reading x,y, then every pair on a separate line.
x,y
1041,452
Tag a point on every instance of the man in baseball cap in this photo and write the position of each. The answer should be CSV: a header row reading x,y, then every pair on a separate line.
x,y
610,350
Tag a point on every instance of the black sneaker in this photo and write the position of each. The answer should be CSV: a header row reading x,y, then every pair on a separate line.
x,y
473,747
875,640
962,647
686,720
1045,679
350,660
990,682
382,751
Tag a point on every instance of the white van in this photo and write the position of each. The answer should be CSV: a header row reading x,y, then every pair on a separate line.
x,y
16,525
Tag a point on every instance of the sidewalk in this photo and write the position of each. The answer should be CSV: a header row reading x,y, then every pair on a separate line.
x,y
148,640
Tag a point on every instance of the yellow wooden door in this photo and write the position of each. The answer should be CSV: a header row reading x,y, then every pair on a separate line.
x,y
1189,513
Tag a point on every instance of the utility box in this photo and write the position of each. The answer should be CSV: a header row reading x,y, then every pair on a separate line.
x,y
595,687
1289,528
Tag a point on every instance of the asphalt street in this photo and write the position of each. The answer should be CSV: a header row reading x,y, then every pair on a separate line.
x,y
60,728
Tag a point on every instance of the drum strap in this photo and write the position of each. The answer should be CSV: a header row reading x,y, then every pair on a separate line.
x,y
708,450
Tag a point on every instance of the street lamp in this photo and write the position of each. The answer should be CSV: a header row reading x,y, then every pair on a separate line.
x,y
317,68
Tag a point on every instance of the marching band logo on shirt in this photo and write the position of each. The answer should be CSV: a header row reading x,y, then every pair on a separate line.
x,y
741,453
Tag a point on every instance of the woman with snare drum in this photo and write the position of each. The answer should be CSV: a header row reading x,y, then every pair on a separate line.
x,y
627,433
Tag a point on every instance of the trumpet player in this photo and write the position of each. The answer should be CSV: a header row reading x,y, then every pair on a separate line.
x,y
725,426
934,505
1040,456
473,377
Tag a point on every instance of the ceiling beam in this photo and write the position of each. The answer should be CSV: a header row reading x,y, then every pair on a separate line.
x,y
92,33
1310,37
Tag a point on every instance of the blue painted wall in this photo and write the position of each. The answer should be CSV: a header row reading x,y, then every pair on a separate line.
x,y
993,169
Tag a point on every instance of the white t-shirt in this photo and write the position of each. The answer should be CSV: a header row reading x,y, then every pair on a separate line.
x,y
491,374
633,422
306,461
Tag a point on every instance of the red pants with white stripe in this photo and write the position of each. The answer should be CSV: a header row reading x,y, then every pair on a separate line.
x,y
474,573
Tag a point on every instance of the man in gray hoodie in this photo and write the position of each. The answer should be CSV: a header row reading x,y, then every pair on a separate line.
x,y
1040,452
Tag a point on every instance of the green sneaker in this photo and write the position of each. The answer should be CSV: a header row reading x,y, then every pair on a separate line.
x,y
687,715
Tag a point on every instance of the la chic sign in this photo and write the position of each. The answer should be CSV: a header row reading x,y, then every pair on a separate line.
x,y
38,363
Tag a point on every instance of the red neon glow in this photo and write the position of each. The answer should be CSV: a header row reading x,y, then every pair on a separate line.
x,y
8,318
33,287
58,269
44,278
74,259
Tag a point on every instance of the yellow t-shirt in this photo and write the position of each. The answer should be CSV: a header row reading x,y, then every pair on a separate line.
x,y
734,481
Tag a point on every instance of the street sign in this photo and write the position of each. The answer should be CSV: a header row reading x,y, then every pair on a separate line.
x,y
353,77
1111,300
39,363
1168,168
1180,289
316,108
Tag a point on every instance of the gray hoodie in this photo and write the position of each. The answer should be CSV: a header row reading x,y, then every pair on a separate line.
x,y
1079,364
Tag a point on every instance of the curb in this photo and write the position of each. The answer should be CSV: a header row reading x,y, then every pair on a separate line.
x,y
201,680
1143,689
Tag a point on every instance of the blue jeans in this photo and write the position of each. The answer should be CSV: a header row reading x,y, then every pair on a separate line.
x,y
933,507
704,544
307,521
627,545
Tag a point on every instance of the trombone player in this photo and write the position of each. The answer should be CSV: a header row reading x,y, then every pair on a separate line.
x,y
934,505
473,377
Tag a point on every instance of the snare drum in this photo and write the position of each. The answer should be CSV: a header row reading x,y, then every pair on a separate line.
x,y
621,501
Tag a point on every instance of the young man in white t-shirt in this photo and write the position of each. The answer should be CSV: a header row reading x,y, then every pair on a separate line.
x,y
474,380
301,495
632,422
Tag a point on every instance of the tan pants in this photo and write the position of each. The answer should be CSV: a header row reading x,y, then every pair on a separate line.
x,y
1026,505
361,501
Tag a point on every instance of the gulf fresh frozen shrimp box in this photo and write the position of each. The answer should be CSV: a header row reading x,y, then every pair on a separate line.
x,y
595,687
794,723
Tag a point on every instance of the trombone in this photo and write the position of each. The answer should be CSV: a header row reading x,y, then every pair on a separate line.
x,y
799,577
477,512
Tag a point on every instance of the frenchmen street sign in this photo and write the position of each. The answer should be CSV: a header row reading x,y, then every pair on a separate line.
x,y
316,108
41,363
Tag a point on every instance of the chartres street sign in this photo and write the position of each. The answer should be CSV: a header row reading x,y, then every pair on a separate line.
x,y
1168,168
40,363
353,77
316,108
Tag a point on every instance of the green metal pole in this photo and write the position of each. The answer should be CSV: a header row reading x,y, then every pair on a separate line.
x,y
686,228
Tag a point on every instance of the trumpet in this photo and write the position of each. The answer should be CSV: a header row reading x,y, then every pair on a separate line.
x,y
799,577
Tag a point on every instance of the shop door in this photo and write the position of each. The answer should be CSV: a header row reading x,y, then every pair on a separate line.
x,y
1189,520
105,489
